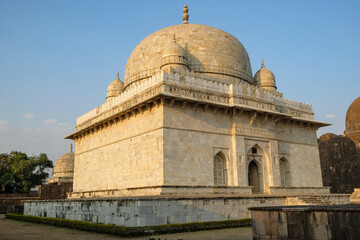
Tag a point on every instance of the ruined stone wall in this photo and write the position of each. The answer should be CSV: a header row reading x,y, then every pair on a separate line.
x,y
56,190
340,164
14,202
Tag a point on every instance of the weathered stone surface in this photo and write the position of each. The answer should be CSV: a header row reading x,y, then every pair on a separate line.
x,y
57,190
147,211
340,155
307,222
340,164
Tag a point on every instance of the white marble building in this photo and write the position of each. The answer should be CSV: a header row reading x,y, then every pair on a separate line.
x,y
190,118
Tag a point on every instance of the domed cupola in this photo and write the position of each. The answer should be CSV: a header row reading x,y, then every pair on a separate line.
x,y
64,168
174,56
206,51
265,78
115,88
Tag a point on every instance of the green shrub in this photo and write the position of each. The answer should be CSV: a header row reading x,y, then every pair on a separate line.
x,y
131,231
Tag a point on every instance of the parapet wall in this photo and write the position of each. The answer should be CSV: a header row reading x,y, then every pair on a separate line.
x,y
189,85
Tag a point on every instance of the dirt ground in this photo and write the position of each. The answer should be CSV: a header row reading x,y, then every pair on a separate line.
x,y
12,229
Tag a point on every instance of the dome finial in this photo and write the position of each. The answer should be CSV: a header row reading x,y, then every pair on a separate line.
x,y
262,63
117,75
185,15
71,147
174,38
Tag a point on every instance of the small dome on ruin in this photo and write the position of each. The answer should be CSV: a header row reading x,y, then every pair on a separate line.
x,y
352,121
326,137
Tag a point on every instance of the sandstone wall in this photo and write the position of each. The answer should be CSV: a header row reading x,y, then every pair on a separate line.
x,y
193,137
299,146
126,154
191,140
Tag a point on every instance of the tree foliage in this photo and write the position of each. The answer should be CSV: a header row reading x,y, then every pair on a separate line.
x,y
19,172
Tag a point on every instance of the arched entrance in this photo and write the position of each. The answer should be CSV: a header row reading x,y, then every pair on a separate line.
x,y
254,177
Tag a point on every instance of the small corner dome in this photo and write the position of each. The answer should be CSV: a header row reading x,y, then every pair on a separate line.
x,y
265,78
115,87
174,49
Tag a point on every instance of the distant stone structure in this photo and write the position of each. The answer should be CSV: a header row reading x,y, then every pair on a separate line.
x,y
352,122
64,168
340,155
14,202
62,181
56,188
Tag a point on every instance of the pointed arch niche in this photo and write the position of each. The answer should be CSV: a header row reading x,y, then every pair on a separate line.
x,y
284,172
220,170
255,169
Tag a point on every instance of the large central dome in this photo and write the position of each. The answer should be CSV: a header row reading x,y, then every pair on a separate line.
x,y
209,51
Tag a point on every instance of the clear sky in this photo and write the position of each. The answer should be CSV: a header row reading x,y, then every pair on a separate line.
x,y
58,57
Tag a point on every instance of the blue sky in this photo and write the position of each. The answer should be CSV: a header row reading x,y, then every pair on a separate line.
x,y
58,57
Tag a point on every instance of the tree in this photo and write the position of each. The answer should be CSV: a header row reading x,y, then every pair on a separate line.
x,y
19,173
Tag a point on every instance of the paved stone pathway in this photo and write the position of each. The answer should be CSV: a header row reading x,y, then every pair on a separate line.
x,y
18,230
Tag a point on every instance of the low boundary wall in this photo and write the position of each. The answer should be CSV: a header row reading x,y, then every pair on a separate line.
x,y
306,222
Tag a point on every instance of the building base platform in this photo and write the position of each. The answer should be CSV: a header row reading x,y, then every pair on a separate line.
x,y
160,210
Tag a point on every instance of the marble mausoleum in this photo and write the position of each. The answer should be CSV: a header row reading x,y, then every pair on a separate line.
x,y
190,118
191,135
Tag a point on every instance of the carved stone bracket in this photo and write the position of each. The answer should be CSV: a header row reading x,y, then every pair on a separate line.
x,y
263,120
252,119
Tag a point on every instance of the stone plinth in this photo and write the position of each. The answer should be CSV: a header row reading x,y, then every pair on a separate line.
x,y
306,222
149,211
